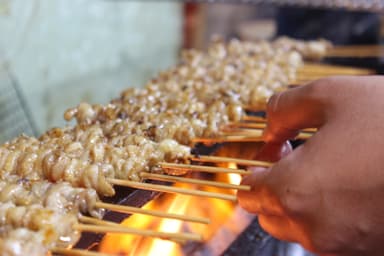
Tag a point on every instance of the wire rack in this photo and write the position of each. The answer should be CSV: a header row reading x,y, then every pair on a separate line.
x,y
14,116
356,5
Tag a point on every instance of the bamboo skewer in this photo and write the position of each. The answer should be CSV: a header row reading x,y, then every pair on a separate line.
x,y
141,232
313,71
77,252
324,69
201,168
219,159
255,125
130,209
243,132
169,189
96,221
161,177
308,74
231,138
249,135
355,51
253,118
243,137
262,125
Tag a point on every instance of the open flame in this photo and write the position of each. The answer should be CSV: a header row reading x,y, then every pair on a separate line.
x,y
135,245
234,178
215,209
227,219
178,205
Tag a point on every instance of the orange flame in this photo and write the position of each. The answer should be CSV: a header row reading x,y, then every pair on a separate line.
x,y
178,205
215,209
234,178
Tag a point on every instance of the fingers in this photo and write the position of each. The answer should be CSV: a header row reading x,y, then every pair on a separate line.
x,y
279,227
295,109
273,152
284,228
260,199
274,190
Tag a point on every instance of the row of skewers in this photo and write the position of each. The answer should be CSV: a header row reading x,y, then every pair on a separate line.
x,y
52,186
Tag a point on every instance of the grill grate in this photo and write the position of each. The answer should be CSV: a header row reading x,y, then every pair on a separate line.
x,y
14,116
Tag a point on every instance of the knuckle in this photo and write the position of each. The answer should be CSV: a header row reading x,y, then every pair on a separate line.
x,y
321,88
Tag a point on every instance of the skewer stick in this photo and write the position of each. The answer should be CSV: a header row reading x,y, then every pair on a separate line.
x,y
355,51
130,209
243,132
261,125
77,252
153,176
255,125
96,221
232,138
201,168
350,54
304,135
168,189
320,74
219,159
249,135
253,118
305,79
243,137
324,69
141,232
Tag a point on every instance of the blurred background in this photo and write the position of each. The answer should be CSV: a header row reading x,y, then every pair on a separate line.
x,y
55,54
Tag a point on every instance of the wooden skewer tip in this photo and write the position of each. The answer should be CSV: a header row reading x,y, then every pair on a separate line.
x,y
194,181
137,210
141,232
77,252
175,190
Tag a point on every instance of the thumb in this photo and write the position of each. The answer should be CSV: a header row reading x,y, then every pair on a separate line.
x,y
271,186
259,200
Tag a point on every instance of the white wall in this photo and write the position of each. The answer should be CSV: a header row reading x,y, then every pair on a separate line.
x,y
64,51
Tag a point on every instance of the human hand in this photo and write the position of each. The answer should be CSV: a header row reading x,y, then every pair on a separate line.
x,y
328,193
